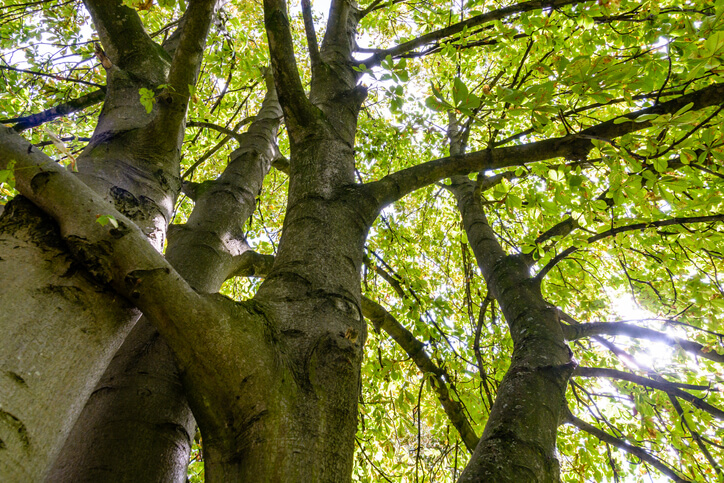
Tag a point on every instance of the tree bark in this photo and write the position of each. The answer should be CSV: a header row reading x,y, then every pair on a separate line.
x,y
140,403
135,172
519,440
60,330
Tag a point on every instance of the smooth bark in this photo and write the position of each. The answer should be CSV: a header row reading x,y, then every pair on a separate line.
x,y
60,330
140,402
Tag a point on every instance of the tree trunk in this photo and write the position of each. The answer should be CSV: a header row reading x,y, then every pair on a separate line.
x,y
519,440
60,330
140,402
137,425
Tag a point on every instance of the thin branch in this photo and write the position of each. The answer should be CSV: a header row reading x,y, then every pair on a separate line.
x,y
52,76
668,387
74,105
233,133
642,454
476,349
383,320
214,149
377,5
575,332
623,229
629,360
466,24
573,146
561,228
311,34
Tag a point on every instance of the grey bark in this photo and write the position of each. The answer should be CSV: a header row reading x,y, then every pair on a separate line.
x,y
519,440
140,403
59,331
134,172
274,381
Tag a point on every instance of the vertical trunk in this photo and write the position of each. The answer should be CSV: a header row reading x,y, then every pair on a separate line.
x,y
122,163
300,425
518,443
139,400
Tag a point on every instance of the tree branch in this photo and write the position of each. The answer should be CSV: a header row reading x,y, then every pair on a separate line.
x,y
337,44
298,111
312,46
575,332
629,360
381,319
634,450
173,101
252,264
52,76
377,5
119,255
232,133
74,105
561,228
623,229
223,205
124,39
573,146
466,24
668,387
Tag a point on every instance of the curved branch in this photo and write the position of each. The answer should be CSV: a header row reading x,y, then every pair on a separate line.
x,y
223,205
574,332
382,319
466,24
52,76
376,5
252,264
628,359
668,387
634,450
121,255
232,133
623,229
573,146
561,229
126,42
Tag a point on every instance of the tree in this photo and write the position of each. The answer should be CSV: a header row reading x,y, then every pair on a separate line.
x,y
570,150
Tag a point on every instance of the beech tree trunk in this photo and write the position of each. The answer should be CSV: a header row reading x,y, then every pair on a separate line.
x,y
134,165
140,403
60,330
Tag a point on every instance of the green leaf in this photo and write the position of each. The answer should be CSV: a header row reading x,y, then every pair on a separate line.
x,y
103,220
460,92
148,99
7,173
436,104
660,165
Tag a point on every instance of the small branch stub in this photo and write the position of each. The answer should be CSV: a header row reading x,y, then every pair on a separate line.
x,y
102,57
